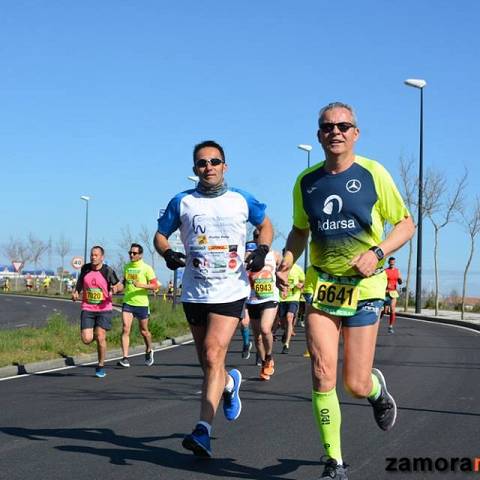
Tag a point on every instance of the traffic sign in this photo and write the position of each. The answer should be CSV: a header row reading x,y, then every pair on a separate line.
x,y
77,263
17,266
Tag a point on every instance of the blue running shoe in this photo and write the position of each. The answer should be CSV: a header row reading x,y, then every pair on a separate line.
x,y
100,372
198,442
232,405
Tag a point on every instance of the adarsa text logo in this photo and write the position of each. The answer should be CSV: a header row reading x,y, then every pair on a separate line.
x,y
428,464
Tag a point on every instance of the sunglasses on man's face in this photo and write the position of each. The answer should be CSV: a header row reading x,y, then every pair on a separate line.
x,y
133,253
330,127
214,162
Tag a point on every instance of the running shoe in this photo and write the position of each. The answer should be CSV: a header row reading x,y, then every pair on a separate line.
x,y
333,470
246,351
267,370
198,442
306,353
124,363
390,329
301,323
149,358
100,372
258,360
269,367
232,405
285,348
384,407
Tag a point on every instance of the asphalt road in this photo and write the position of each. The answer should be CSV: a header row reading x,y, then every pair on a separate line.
x,y
20,311
70,425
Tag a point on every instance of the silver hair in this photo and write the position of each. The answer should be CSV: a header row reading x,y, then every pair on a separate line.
x,y
333,105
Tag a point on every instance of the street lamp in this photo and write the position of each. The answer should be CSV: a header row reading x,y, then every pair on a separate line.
x,y
86,199
420,84
308,149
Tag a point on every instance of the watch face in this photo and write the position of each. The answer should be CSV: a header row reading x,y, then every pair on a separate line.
x,y
378,252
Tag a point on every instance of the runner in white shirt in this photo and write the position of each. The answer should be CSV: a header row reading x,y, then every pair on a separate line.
x,y
212,222
262,307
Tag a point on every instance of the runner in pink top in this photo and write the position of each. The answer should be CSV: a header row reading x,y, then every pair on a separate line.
x,y
98,282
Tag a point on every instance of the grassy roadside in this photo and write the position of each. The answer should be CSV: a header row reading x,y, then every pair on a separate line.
x,y
61,339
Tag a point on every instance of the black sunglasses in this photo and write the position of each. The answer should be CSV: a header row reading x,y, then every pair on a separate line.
x,y
133,253
342,126
214,162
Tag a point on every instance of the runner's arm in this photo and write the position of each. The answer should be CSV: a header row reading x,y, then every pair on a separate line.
x,y
296,243
160,242
402,232
265,232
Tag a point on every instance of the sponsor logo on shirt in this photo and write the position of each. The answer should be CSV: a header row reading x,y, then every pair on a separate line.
x,y
353,185
202,240
197,225
333,205
218,248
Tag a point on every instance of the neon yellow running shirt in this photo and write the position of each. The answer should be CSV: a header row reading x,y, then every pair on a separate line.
x,y
295,276
346,213
141,272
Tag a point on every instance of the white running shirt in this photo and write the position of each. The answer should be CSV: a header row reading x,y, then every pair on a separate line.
x,y
213,232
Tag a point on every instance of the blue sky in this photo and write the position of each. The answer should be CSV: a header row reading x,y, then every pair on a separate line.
x,y
108,98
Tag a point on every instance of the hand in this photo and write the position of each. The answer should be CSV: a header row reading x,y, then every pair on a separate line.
x,y
173,259
365,263
74,296
282,277
256,261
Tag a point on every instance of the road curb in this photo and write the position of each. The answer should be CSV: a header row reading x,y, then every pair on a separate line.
x,y
67,361
447,321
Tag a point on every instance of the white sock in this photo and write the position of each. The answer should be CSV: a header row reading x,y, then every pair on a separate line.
x,y
206,425
230,384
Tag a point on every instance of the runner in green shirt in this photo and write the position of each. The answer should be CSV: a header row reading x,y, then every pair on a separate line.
x,y
344,203
138,279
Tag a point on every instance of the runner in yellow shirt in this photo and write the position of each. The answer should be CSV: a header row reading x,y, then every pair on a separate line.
x,y
138,279
289,301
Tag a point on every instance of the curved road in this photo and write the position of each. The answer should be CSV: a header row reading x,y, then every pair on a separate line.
x,y
69,424
17,311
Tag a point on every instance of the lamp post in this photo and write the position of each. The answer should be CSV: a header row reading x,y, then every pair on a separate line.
x,y
420,84
308,149
86,199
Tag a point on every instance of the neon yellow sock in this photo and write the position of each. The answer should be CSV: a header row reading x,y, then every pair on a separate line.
x,y
326,410
376,388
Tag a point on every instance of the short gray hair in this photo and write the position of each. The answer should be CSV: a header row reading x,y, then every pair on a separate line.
x,y
333,105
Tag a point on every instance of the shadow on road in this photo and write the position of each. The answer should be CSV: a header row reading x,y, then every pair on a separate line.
x,y
133,449
411,409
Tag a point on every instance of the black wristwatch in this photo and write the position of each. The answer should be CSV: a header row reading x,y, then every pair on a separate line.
x,y
378,252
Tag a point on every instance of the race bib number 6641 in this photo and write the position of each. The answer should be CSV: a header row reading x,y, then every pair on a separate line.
x,y
335,296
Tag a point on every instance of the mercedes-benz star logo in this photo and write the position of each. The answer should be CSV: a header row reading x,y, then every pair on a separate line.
x,y
353,186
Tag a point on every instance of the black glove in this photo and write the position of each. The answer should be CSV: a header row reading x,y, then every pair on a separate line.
x,y
173,259
256,260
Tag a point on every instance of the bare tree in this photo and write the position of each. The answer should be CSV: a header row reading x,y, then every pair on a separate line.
x,y
146,236
409,188
37,248
441,211
63,248
16,250
472,226
126,238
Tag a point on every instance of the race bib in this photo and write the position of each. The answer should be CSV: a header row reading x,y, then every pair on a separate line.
x,y
263,287
393,294
336,295
94,296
